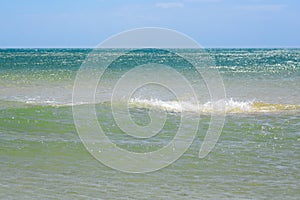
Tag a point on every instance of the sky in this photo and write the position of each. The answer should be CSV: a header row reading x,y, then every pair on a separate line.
x,y
212,23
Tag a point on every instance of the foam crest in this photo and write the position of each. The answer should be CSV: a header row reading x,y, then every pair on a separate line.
x,y
227,106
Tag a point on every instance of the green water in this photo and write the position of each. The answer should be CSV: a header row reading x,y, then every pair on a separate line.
x,y
257,155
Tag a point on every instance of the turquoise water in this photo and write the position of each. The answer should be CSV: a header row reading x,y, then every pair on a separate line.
x,y
257,155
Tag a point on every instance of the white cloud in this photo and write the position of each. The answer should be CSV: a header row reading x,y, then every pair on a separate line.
x,y
203,1
169,5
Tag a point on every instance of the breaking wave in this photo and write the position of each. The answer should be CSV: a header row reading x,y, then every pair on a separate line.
x,y
227,106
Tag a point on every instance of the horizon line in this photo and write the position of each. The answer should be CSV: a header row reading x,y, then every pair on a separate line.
x,y
208,47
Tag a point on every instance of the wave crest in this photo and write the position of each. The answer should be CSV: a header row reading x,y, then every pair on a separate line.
x,y
227,106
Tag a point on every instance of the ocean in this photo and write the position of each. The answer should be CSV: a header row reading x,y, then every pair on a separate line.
x,y
257,155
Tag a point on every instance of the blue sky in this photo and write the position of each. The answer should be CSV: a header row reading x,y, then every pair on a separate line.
x,y
213,23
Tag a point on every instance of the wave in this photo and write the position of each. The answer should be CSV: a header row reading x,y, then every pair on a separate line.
x,y
227,106
220,106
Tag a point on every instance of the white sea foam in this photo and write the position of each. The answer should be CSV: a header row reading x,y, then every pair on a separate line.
x,y
220,106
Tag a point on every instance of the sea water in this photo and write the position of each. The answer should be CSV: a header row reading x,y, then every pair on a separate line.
x,y
257,155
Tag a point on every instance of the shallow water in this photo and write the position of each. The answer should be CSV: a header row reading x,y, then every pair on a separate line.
x,y
257,155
